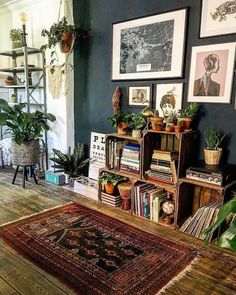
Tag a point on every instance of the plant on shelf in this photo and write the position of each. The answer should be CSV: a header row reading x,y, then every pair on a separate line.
x,y
227,238
188,113
110,180
26,129
71,163
120,120
178,126
9,81
136,123
16,36
156,121
212,151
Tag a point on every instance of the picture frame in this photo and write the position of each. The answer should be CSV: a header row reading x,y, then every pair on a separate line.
x,y
217,18
149,47
211,73
169,98
140,95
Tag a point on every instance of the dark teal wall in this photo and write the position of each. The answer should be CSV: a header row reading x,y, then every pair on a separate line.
x,y
93,85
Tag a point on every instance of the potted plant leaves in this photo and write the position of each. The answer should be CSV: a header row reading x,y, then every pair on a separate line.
x,y
16,36
110,180
178,126
120,120
212,151
136,123
156,121
187,114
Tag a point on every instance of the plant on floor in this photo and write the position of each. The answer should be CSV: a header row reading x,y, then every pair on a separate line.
x,y
227,239
72,163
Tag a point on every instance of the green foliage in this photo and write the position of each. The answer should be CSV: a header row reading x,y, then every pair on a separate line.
x,y
70,163
136,121
156,114
190,111
119,117
179,122
23,126
213,138
111,178
16,35
228,238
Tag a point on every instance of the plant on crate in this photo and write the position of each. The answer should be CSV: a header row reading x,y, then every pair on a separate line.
x,y
212,151
178,126
26,129
16,36
71,163
227,238
156,121
120,120
110,180
188,113
136,123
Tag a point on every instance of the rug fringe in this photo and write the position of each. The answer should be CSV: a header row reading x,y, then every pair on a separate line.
x,y
24,217
178,277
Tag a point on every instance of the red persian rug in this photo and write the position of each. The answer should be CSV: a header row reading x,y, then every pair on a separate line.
x,y
96,254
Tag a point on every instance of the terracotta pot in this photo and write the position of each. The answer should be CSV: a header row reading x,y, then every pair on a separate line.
x,y
177,129
109,188
136,133
9,82
212,157
157,123
122,128
170,128
186,123
65,36
66,42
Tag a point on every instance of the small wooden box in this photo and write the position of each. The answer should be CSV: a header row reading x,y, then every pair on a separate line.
x,y
55,177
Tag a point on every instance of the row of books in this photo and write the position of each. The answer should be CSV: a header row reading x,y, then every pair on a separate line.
x,y
163,166
130,159
111,200
148,200
202,219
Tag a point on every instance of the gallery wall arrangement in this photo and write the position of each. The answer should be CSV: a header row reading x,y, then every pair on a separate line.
x,y
182,48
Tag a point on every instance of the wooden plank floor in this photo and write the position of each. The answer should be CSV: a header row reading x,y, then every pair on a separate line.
x,y
214,273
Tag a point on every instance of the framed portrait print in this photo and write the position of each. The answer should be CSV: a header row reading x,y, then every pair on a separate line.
x,y
149,47
140,95
168,98
211,73
217,18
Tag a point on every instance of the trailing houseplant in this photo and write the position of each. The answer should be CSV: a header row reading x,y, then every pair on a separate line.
x,y
110,180
188,113
212,151
16,36
120,120
136,123
26,129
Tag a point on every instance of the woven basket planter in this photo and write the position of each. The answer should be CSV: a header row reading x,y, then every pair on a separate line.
x,y
26,153
212,157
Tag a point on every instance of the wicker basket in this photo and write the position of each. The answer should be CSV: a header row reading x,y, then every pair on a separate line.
x,y
212,157
26,153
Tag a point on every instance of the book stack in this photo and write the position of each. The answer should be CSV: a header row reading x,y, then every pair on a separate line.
x,y
202,219
148,200
130,159
114,153
163,166
114,201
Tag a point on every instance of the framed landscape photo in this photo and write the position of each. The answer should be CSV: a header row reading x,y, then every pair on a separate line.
x,y
140,95
211,73
168,98
217,18
149,47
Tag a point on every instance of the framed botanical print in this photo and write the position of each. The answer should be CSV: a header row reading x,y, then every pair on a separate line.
x,y
218,18
149,47
211,73
140,95
168,98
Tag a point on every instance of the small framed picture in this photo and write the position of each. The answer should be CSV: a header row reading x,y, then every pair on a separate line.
x,y
217,18
168,98
211,73
140,95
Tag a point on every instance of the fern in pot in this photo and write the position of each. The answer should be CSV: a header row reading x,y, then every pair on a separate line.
x,y
212,151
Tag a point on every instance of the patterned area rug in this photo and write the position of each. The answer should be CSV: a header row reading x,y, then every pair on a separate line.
x,y
96,254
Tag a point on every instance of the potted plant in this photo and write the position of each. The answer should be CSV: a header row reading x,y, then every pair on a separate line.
x,y
212,151
120,120
26,129
110,180
16,36
9,81
156,121
71,163
227,237
178,126
136,123
188,113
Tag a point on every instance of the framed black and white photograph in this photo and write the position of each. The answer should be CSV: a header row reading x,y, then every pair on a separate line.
x,y
140,95
217,18
168,98
211,73
149,47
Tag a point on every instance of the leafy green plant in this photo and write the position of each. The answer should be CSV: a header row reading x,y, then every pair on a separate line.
x,y
111,178
179,122
227,239
213,138
190,111
23,126
72,163
16,35
119,117
136,121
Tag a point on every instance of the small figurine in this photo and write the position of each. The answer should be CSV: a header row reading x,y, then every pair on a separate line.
x,y
116,100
